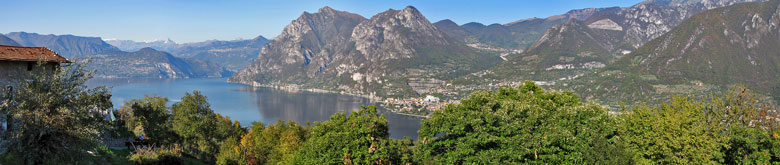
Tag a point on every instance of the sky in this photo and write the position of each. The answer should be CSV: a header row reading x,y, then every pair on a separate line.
x,y
200,20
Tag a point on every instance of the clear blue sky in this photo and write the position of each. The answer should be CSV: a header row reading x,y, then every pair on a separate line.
x,y
198,20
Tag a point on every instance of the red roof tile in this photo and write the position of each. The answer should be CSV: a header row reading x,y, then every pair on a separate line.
x,y
15,53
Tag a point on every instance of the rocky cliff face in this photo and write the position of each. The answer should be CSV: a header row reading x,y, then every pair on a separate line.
x,y
393,33
302,49
339,50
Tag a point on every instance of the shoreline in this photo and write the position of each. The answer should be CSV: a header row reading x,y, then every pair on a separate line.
x,y
292,88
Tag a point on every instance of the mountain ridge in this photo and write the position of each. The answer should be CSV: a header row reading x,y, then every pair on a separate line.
x,y
361,57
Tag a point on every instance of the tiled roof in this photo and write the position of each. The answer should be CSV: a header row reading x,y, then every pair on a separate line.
x,y
16,53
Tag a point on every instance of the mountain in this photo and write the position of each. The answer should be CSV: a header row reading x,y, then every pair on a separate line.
x,y
576,47
710,51
300,46
150,63
339,50
7,41
130,45
514,35
69,46
234,55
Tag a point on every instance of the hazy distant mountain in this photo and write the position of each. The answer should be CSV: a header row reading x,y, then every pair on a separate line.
x,y
234,55
69,46
514,35
7,41
129,45
150,63
578,46
340,50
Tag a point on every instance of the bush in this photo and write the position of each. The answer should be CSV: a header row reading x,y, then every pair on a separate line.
x,y
160,155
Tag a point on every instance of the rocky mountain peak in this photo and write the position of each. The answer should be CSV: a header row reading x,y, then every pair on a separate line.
x,y
326,9
396,30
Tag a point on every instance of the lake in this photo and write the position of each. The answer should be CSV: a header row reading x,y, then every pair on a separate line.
x,y
248,104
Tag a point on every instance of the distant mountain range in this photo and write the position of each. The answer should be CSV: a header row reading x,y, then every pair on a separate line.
x,y
233,55
130,45
514,35
110,62
150,63
339,50
8,41
69,46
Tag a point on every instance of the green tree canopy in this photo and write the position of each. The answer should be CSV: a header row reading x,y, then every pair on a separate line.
x,y
360,138
511,125
196,124
151,114
56,117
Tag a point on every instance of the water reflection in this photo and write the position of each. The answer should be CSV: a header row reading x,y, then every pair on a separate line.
x,y
248,104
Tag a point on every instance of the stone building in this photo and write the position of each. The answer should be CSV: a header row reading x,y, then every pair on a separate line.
x,y
16,62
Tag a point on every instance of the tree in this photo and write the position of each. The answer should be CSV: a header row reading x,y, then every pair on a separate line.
x,y
733,129
273,145
673,133
230,152
360,138
151,114
511,125
196,124
57,118
744,120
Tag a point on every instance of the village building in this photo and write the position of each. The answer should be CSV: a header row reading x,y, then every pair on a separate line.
x,y
16,62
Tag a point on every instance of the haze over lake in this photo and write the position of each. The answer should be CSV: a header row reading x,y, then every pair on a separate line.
x,y
248,104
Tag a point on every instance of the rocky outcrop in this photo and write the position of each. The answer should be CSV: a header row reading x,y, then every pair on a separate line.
x,y
303,48
339,50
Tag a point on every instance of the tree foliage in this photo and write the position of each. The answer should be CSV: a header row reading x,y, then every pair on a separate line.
x,y
275,144
55,116
360,138
513,125
733,129
201,131
151,115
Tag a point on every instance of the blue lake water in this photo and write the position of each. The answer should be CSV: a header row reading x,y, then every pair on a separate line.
x,y
248,104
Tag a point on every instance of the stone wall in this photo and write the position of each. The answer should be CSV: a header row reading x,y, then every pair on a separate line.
x,y
10,71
